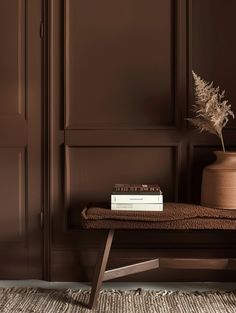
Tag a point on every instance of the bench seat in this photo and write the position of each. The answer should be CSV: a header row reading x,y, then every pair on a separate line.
x,y
174,216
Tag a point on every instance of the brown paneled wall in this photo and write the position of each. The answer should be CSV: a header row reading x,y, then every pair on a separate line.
x,y
121,88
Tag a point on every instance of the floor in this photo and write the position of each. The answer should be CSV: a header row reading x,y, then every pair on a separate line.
x,y
122,286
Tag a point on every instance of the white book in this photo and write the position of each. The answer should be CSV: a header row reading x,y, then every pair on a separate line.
x,y
137,199
137,206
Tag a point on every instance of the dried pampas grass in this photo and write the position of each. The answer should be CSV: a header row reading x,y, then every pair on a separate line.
x,y
211,110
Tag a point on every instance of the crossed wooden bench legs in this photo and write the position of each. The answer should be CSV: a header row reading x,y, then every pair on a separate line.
x,y
101,274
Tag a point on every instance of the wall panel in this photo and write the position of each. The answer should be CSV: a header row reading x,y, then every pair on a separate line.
x,y
12,193
212,48
12,58
92,171
119,64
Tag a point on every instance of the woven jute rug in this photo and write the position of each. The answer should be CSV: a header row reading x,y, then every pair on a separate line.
x,y
20,300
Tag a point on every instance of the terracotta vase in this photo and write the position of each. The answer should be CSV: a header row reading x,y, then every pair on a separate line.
x,y
219,182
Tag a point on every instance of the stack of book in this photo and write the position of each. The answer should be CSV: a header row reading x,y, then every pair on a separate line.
x,y
132,197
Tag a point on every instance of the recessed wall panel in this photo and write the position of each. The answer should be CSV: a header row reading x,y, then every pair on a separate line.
x,y
12,57
12,193
213,46
119,67
91,172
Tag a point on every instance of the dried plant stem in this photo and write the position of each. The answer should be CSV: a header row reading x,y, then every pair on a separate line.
x,y
212,111
222,141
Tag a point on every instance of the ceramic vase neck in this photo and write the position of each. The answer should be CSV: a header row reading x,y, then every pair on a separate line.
x,y
227,159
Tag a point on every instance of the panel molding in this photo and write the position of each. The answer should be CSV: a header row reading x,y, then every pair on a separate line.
x,y
22,184
190,58
20,109
190,84
22,196
67,169
66,63
178,74
22,30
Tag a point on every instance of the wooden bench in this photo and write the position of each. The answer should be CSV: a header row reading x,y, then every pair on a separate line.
x,y
176,216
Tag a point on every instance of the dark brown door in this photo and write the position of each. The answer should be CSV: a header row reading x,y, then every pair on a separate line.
x,y
20,139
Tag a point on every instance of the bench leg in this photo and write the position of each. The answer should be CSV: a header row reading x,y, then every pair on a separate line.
x,y
100,269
